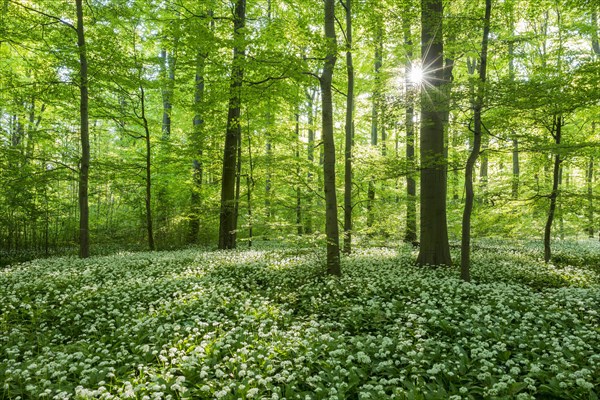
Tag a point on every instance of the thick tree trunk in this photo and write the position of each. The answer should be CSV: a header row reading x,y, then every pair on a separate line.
x,y
84,235
556,133
465,257
410,235
434,248
349,134
331,221
227,227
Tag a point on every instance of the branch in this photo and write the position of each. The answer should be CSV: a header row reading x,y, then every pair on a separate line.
x,y
270,78
338,91
45,15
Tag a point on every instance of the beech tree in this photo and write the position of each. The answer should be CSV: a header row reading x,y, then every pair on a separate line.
x,y
331,221
84,216
434,246
227,227
465,248
542,64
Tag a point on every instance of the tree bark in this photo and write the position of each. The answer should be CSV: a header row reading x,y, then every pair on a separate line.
x,y
148,199
249,187
375,121
331,221
238,179
590,197
595,41
84,236
349,128
465,256
311,159
410,235
198,140
434,246
167,66
298,191
556,134
227,227
515,141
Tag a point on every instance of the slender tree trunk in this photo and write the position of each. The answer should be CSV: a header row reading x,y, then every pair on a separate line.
x,y
250,186
238,178
168,72
590,197
556,133
410,235
483,167
375,121
298,191
465,257
269,145
595,41
269,161
515,168
331,221
434,246
311,159
84,235
227,227
149,226
198,140
515,141
349,133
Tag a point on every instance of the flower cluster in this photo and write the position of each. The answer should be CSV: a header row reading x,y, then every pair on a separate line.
x,y
268,324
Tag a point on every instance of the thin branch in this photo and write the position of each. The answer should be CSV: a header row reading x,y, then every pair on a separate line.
x,y
45,15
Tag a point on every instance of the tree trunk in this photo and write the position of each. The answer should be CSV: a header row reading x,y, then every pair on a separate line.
x,y
465,247
515,141
434,248
148,171
349,134
198,143
311,159
595,41
410,235
375,121
556,134
238,179
227,227
590,198
515,169
331,221
298,191
167,67
483,168
249,187
84,235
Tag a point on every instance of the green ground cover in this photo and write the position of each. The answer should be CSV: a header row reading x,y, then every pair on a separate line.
x,y
268,324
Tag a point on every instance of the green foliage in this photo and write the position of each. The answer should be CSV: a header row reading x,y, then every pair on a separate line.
x,y
268,323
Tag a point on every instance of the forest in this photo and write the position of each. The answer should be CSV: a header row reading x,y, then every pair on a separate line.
x,y
299,199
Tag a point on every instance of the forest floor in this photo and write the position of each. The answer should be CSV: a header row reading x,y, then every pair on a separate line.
x,y
267,323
